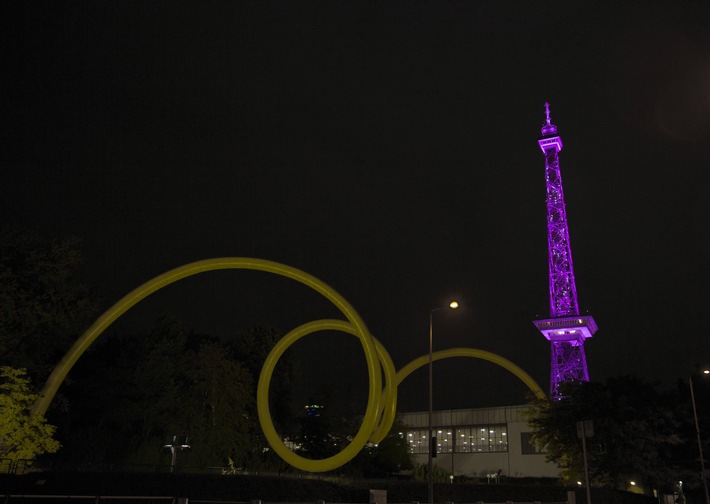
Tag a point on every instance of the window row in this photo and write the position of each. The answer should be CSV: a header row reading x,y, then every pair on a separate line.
x,y
464,439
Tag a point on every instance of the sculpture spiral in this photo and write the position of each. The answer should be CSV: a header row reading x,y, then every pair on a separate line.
x,y
381,402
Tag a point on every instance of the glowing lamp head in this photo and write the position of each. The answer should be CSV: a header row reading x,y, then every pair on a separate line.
x,y
454,304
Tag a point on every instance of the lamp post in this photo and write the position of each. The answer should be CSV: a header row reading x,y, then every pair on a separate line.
x,y
697,432
176,443
432,441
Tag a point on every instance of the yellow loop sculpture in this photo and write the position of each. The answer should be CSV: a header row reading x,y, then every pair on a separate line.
x,y
381,403
372,413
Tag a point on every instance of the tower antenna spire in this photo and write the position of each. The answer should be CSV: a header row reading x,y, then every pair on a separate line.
x,y
566,329
549,128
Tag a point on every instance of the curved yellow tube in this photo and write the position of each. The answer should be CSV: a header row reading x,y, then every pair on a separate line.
x,y
132,298
476,354
381,403
262,399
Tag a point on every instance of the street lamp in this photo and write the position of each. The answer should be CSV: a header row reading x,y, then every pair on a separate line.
x,y
432,440
176,443
697,432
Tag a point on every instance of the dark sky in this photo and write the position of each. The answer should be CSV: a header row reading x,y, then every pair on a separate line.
x,y
387,148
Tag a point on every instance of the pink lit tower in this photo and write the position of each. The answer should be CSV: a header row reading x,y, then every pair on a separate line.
x,y
566,329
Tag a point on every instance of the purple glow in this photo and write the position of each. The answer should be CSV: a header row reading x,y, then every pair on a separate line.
x,y
565,329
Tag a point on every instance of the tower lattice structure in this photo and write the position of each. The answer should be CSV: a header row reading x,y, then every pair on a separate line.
x,y
566,329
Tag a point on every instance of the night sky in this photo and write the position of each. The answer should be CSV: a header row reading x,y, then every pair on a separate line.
x,y
387,148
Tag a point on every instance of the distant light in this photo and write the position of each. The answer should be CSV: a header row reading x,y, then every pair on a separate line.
x,y
633,483
579,483
706,371
453,305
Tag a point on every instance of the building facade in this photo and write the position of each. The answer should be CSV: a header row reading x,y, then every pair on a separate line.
x,y
479,443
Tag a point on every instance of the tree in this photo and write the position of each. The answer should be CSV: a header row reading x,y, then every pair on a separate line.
x,y
214,407
40,305
317,438
133,391
124,395
250,348
391,455
22,434
635,431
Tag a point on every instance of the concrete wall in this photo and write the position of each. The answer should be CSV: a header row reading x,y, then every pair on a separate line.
x,y
512,463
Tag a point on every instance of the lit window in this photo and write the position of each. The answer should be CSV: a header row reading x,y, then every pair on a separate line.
x,y
492,438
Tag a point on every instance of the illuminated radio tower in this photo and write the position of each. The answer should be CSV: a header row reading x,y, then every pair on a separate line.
x,y
566,329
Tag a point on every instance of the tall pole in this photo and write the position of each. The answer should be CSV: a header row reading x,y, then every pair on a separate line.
x,y
700,445
432,441
173,451
586,469
432,444
585,429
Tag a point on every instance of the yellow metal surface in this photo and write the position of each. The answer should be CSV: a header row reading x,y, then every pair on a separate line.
x,y
476,354
381,402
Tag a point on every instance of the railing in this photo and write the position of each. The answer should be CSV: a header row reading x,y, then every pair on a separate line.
x,y
22,466
116,499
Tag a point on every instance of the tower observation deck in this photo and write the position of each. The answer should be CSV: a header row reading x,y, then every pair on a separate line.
x,y
566,329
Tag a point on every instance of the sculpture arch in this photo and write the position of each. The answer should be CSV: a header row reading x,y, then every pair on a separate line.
x,y
381,403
